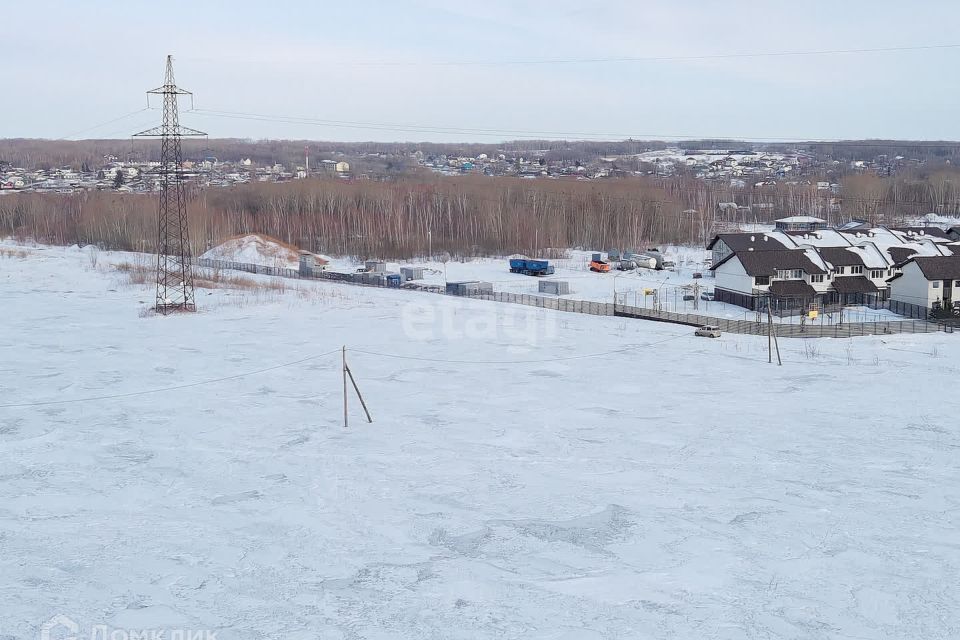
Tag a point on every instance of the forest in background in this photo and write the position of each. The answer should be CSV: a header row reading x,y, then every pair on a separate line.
x,y
468,215
83,154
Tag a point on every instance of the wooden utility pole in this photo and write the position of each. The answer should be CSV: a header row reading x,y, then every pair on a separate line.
x,y
772,337
769,340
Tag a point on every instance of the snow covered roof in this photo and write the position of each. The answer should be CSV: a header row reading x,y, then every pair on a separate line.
x,y
821,238
841,256
760,241
800,219
766,263
816,259
872,257
912,233
854,225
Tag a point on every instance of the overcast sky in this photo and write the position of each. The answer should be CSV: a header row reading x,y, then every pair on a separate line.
x,y
70,66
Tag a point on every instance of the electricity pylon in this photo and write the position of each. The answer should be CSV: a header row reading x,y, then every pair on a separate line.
x,y
174,275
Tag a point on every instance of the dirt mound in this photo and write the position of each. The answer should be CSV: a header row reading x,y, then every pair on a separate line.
x,y
256,248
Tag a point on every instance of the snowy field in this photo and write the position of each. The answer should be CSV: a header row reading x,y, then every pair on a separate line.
x,y
529,474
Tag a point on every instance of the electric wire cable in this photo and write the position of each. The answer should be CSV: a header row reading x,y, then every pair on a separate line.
x,y
172,388
542,135
103,124
623,59
511,362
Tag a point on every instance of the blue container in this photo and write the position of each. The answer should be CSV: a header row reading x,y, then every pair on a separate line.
x,y
393,280
531,267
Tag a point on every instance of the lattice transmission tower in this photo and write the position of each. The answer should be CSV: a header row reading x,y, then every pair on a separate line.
x,y
174,273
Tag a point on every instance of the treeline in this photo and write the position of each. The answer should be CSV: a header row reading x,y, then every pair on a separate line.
x,y
468,215
84,154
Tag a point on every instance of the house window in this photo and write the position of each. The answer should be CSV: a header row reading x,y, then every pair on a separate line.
x,y
856,270
761,280
798,274
816,278
876,274
936,284
841,270
957,284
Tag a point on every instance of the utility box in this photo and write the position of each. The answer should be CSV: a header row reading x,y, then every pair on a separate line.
x,y
411,273
307,263
376,266
556,287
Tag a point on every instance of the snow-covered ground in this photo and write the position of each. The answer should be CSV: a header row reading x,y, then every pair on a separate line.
x,y
630,287
529,474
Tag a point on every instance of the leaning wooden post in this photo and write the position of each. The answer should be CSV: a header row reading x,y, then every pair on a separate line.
x,y
359,395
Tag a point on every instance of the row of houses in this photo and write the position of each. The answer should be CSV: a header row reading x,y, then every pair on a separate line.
x,y
916,269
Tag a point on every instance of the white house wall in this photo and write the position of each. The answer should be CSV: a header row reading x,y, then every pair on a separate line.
x,y
733,277
913,288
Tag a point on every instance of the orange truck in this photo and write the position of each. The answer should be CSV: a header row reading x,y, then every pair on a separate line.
x,y
599,266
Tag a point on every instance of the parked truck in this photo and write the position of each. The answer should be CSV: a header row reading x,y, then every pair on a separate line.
x,y
530,267
600,266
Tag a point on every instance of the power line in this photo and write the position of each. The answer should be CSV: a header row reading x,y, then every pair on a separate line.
x,y
237,376
165,389
512,362
531,134
635,59
103,124
545,135
384,126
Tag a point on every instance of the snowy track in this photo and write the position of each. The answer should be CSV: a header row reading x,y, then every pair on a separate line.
x,y
683,489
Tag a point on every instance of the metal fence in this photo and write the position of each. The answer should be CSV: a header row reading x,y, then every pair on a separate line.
x,y
749,327
840,330
280,272
550,302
